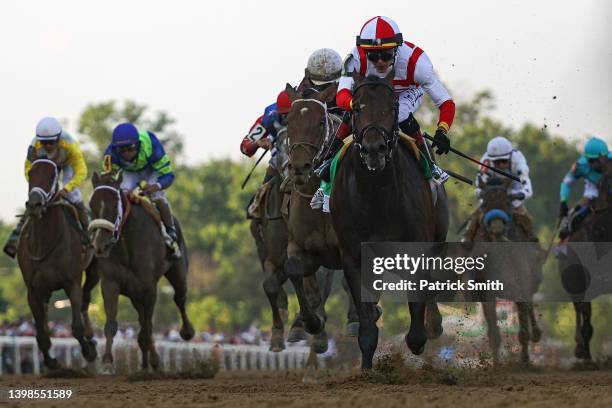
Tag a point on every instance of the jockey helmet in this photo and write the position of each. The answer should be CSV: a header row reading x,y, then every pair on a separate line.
x,y
499,148
379,33
324,66
48,129
125,134
595,147
283,103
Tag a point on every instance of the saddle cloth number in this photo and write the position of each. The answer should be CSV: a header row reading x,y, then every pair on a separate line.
x,y
256,133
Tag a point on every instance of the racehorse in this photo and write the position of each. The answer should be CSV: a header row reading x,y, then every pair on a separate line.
x,y
51,257
380,194
526,263
132,257
595,227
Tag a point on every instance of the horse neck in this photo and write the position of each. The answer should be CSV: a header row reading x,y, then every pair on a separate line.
x,y
48,229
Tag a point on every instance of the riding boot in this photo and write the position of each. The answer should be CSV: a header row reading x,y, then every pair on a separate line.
x,y
323,171
10,248
473,225
411,127
165,212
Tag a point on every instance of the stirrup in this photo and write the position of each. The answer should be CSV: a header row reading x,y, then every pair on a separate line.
x,y
438,174
323,170
317,199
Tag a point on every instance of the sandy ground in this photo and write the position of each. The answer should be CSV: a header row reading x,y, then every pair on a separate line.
x,y
387,386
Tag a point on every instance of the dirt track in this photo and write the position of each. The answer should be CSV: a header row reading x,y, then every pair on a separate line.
x,y
467,388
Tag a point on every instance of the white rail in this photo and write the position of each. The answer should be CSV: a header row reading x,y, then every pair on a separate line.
x,y
174,356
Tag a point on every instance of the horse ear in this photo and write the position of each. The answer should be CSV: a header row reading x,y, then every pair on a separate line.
x,y
328,94
293,95
95,179
390,76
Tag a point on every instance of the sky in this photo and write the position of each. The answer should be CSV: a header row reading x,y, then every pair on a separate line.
x,y
214,66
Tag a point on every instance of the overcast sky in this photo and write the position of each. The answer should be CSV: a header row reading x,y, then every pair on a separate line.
x,y
214,66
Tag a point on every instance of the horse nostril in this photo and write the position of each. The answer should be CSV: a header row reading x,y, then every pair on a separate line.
x,y
382,148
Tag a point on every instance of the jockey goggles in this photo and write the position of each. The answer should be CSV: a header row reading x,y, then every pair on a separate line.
x,y
374,56
127,148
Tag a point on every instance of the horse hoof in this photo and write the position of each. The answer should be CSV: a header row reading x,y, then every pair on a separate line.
x,y
89,352
277,341
187,332
314,326
51,363
351,329
319,343
416,344
108,369
296,334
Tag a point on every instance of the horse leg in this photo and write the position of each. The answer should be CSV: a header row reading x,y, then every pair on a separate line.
x,y
523,335
433,320
298,269
368,315
39,308
352,318
75,294
325,277
110,294
416,336
91,280
177,277
536,332
584,330
271,287
145,335
490,315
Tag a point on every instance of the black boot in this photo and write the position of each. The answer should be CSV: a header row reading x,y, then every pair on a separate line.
x,y
165,213
10,248
323,171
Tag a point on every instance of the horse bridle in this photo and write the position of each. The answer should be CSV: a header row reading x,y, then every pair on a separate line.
x,y
390,136
102,223
325,134
47,196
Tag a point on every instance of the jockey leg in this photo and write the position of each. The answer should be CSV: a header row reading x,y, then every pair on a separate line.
x,y
572,221
343,131
524,220
411,127
10,248
473,226
165,212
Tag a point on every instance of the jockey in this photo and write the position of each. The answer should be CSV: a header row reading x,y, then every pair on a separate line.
x,y
503,156
380,47
589,166
263,132
55,144
141,156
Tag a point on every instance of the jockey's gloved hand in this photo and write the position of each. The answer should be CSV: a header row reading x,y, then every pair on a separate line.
x,y
563,209
151,188
441,142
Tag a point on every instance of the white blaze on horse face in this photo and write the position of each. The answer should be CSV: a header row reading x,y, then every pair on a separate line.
x,y
303,111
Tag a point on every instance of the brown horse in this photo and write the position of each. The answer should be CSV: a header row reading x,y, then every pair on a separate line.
x,y
526,265
51,257
595,227
312,239
380,194
132,257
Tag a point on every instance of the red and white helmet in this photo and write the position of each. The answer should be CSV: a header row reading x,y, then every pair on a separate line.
x,y
379,33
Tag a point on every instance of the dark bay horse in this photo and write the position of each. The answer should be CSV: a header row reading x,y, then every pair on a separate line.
x,y
51,257
312,240
526,265
596,228
132,257
380,194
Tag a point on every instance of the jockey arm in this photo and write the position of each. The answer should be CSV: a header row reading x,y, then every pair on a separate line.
x,y
520,168
77,162
425,76
262,128
160,162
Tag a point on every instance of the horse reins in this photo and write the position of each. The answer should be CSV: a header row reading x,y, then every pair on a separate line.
x,y
102,223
